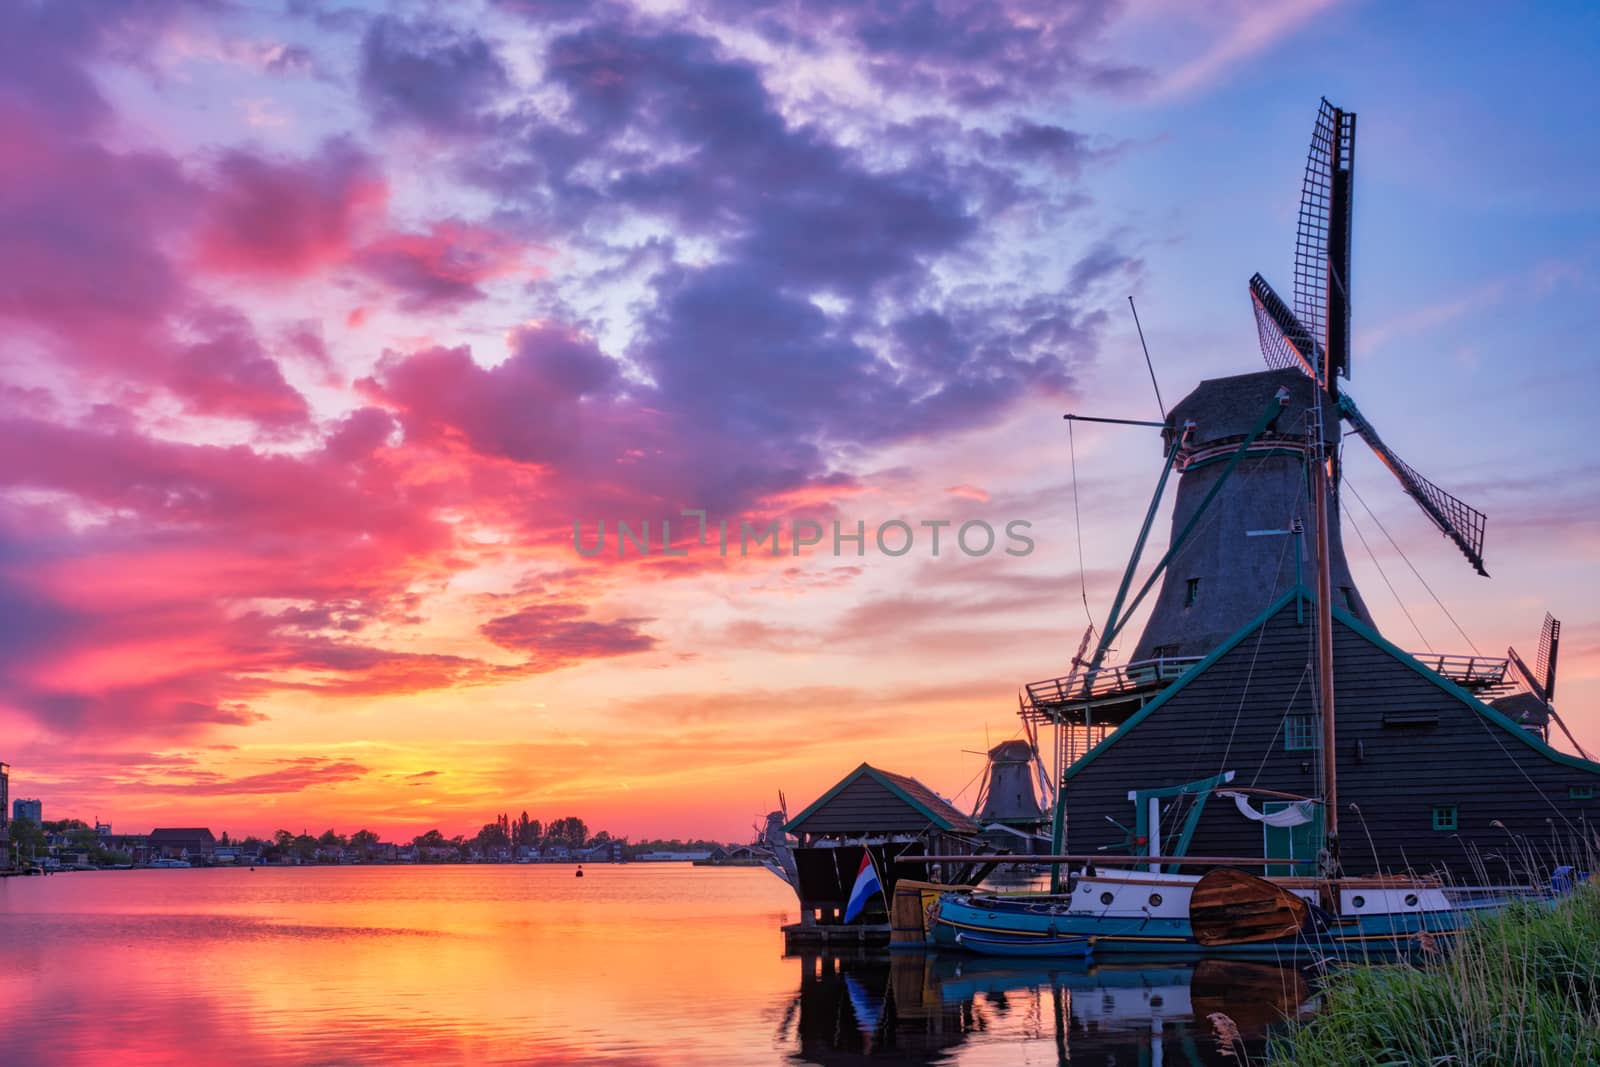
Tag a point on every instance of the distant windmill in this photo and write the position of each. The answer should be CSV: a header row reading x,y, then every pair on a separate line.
x,y
1315,336
1540,679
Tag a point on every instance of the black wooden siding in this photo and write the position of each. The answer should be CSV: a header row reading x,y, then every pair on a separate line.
x,y
865,806
1231,717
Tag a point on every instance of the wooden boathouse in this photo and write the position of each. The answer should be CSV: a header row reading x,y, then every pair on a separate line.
x,y
870,809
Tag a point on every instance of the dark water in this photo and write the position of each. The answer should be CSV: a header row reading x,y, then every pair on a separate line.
x,y
638,964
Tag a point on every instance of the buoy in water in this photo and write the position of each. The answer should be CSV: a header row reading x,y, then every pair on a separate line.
x,y
580,871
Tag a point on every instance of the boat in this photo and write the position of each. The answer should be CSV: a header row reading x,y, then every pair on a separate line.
x,y
1225,913
1048,945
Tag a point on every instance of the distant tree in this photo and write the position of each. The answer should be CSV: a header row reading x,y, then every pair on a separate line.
x,y
27,837
570,831
494,835
433,839
601,838
364,841
283,839
329,839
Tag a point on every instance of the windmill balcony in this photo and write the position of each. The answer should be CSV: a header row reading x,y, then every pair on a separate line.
x,y
1114,693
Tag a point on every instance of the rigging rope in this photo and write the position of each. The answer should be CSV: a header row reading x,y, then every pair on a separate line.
x,y
1464,635
1381,573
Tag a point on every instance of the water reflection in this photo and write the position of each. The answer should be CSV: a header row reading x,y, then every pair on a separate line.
x,y
911,1007
640,964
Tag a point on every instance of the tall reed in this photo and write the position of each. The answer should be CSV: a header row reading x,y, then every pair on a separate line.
x,y
1520,986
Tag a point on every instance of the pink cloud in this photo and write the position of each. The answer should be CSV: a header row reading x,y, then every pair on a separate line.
x,y
287,219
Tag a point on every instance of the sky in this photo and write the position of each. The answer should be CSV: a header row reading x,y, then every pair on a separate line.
x,y
324,326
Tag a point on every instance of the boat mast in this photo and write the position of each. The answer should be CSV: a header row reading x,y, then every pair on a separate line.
x,y
1319,492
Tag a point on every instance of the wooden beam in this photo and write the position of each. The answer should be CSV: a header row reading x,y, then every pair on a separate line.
x,y
1112,861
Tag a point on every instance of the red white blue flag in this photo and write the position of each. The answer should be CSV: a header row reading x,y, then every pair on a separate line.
x,y
866,884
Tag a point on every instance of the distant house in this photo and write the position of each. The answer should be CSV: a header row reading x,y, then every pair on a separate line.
x,y
195,844
671,857
605,852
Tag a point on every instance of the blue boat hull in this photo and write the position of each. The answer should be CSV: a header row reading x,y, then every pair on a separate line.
x,y
1002,944
959,920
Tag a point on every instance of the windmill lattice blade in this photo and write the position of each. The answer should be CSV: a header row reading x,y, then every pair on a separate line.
x,y
1284,341
1549,642
1322,237
1457,520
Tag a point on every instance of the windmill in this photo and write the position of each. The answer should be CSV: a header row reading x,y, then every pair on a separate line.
x,y
1314,337
1540,679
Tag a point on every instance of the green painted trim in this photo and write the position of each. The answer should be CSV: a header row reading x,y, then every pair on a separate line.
x,y
1315,742
1184,679
1580,792
793,825
1461,694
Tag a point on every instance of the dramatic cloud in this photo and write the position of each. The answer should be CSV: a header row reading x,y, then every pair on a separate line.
x,y
324,328
429,74
288,218
556,634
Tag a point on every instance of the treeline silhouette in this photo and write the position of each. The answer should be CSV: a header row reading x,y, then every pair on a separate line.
x,y
504,835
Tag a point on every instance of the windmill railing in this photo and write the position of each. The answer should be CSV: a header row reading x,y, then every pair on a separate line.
x,y
1128,678
1469,672
1476,673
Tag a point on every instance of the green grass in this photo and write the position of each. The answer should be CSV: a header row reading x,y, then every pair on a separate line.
x,y
1519,987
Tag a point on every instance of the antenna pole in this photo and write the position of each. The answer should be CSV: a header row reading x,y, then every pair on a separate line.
x,y
1152,368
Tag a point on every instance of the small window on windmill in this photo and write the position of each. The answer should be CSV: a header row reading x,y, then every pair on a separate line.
x,y
1350,600
1580,792
1299,733
1192,593
1444,818
1163,651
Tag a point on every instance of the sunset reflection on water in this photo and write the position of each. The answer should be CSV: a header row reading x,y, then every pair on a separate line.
x,y
490,964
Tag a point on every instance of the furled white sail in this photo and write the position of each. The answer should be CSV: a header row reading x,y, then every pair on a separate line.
x,y
1296,814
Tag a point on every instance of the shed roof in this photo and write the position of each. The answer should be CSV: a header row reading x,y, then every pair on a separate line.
x,y
182,833
870,800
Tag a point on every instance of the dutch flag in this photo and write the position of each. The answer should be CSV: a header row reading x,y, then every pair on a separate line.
x,y
866,884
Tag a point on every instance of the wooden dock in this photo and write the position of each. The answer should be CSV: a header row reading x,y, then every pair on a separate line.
x,y
798,936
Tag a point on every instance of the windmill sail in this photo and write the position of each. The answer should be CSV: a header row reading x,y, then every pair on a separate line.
x,y
1284,341
1322,239
1549,646
1315,336
1457,520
